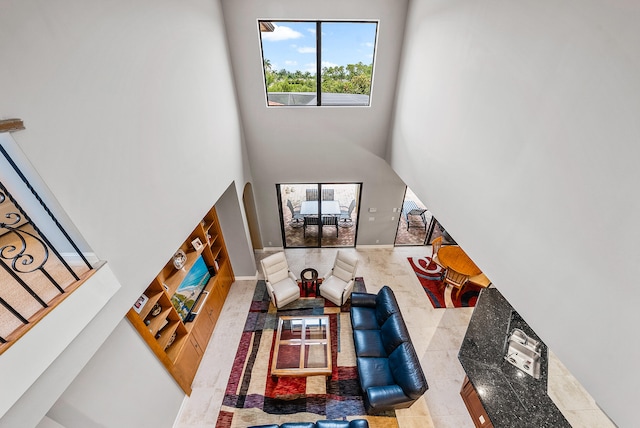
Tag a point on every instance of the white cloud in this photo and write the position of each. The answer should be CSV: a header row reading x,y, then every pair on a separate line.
x,y
281,33
307,49
310,67
368,44
290,63
328,64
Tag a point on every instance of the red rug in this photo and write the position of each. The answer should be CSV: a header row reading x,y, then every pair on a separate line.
x,y
253,397
430,276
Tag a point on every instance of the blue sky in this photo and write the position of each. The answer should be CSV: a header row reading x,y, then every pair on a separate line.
x,y
292,45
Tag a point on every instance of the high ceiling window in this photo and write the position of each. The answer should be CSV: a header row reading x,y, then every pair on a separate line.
x,y
295,53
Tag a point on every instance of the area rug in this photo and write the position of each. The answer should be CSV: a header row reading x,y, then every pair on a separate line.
x,y
430,276
254,397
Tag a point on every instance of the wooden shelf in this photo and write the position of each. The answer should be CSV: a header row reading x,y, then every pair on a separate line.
x,y
166,333
182,354
174,350
175,278
153,299
215,252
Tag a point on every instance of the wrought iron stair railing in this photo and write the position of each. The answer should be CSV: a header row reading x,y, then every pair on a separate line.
x,y
36,274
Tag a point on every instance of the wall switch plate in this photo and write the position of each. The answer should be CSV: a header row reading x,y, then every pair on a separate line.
x,y
372,218
373,210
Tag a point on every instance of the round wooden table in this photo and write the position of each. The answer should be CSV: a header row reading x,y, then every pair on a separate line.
x,y
452,256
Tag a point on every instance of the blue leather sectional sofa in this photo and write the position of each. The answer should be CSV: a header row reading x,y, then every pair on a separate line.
x,y
356,423
388,367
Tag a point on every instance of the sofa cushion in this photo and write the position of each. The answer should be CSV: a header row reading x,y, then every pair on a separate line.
x,y
368,343
387,397
386,304
363,318
278,275
374,372
345,266
407,372
356,423
298,425
393,332
332,288
363,299
332,424
286,291
275,267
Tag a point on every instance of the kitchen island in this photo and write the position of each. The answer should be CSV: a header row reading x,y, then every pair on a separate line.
x,y
509,396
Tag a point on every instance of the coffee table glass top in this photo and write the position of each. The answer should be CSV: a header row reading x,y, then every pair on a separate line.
x,y
302,346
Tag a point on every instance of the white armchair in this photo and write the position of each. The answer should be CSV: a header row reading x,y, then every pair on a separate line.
x,y
282,285
338,283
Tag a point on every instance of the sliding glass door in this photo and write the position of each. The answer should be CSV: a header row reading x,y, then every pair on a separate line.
x,y
416,225
319,214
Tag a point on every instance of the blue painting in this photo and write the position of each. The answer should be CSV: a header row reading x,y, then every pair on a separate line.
x,y
190,288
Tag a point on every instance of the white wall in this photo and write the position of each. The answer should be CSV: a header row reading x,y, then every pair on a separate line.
x,y
326,144
133,124
517,124
83,405
44,361
13,182
232,221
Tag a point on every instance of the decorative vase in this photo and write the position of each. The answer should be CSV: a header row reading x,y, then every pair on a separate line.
x,y
171,339
179,259
156,310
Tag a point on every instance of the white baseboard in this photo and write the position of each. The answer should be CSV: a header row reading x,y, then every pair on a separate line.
x,y
184,403
247,278
267,249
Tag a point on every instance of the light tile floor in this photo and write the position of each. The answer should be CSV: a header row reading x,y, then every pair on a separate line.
x,y
436,333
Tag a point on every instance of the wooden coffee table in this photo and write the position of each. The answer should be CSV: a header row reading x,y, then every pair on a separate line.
x,y
302,346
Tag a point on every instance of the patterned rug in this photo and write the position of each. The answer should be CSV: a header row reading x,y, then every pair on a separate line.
x,y
430,276
253,397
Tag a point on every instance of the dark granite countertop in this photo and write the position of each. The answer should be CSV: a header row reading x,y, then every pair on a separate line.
x,y
510,397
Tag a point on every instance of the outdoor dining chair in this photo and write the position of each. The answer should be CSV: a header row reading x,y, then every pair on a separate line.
x,y
330,220
327,194
312,194
345,214
309,221
295,214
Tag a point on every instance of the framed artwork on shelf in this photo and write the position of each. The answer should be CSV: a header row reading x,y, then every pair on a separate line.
x,y
139,304
197,244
